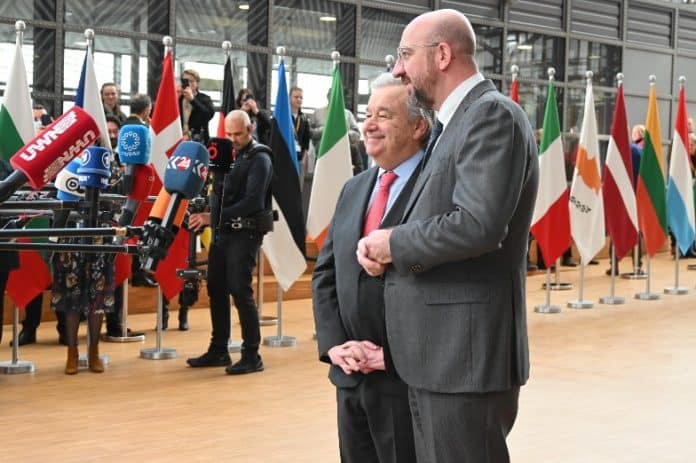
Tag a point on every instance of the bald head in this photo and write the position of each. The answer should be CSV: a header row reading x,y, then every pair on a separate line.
x,y
451,27
238,128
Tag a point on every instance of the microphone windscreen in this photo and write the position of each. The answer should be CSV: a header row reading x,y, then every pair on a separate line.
x,y
220,152
143,179
159,209
53,148
134,144
95,169
187,169
67,183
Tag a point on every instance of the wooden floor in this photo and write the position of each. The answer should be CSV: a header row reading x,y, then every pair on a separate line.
x,y
611,384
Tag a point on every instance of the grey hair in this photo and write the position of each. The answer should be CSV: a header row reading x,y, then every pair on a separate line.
x,y
413,109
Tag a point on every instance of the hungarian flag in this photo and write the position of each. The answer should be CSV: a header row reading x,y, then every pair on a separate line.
x,y
586,205
165,128
619,197
227,96
88,97
16,118
680,195
285,245
33,275
551,221
333,166
650,190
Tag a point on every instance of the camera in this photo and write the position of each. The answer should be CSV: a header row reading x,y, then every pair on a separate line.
x,y
184,82
46,119
248,96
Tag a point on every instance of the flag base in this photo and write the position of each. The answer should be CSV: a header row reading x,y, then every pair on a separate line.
x,y
83,361
647,296
577,304
547,308
639,275
678,291
691,267
280,341
17,368
268,320
612,300
234,346
162,353
138,338
559,286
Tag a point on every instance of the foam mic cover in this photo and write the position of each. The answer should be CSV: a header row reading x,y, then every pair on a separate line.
x,y
45,155
67,183
166,216
95,169
187,169
134,144
144,177
220,152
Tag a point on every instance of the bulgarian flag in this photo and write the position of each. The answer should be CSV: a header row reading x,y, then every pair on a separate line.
x,y
619,197
16,118
551,220
680,194
650,190
586,205
333,167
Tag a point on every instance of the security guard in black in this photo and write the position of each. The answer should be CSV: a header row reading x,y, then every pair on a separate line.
x,y
240,215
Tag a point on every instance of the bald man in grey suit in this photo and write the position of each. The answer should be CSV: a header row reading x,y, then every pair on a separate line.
x,y
455,290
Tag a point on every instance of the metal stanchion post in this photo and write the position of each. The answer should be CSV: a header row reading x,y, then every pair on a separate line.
x,y
580,303
557,285
279,340
264,320
612,299
158,352
124,322
647,295
637,273
676,289
547,308
15,366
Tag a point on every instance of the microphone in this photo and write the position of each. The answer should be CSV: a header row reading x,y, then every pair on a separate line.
x,y
67,184
220,151
143,178
134,147
184,177
95,168
39,161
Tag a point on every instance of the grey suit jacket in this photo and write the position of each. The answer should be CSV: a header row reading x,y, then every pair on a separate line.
x,y
455,292
348,303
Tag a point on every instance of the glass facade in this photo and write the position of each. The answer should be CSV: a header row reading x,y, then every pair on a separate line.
x,y
128,47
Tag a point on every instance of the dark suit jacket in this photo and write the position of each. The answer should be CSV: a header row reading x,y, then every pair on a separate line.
x,y
455,293
348,303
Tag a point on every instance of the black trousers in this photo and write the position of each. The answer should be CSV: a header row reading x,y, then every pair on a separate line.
x,y
374,421
464,427
230,263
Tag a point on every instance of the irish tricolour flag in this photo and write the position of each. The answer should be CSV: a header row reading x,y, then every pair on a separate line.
x,y
551,221
333,166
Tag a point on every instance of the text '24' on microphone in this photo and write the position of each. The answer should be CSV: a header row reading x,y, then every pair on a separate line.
x,y
184,178
39,161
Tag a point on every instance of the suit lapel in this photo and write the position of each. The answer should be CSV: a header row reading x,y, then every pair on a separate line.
x,y
442,146
361,195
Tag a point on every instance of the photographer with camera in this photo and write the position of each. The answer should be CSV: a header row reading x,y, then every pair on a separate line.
x,y
240,215
196,108
260,118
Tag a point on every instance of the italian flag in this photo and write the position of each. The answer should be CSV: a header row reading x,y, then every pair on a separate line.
x,y
551,220
333,166
586,205
16,118
650,190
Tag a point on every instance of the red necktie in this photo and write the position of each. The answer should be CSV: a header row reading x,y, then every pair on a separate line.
x,y
379,204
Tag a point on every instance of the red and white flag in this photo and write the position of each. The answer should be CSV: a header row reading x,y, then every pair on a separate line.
x,y
165,126
620,211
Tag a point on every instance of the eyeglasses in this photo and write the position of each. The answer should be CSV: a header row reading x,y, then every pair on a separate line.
x,y
404,51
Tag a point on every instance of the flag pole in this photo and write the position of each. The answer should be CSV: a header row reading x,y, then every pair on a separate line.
x,y
647,295
612,298
676,289
389,61
159,352
15,366
547,307
581,303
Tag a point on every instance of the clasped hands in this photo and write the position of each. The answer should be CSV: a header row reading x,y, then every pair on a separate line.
x,y
362,356
374,253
